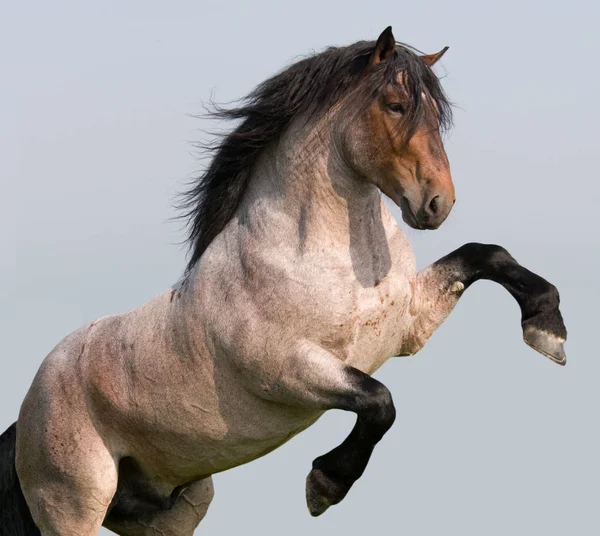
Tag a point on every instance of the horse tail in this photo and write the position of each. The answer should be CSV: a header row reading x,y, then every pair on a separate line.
x,y
15,517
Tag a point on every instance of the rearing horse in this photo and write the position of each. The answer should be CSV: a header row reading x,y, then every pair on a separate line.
x,y
300,285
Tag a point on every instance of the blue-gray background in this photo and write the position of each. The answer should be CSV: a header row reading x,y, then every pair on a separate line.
x,y
491,438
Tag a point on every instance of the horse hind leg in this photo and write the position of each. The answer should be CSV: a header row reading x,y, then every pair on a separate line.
x,y
72,503
67,475
15,518
180,518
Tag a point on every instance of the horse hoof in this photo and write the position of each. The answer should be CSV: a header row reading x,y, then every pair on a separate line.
x,y
547,344
322,492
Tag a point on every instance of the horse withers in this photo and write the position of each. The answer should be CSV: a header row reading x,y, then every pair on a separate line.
x,y
300,285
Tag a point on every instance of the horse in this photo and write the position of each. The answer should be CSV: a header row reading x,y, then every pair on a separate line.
x,y
300,285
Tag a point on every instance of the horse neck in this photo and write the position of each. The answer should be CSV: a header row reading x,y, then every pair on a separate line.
x,y
303,193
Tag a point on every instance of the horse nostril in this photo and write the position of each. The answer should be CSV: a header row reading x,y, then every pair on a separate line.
x,y
434,205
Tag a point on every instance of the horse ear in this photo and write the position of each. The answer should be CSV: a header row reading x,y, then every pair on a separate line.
x,y
431,59
385,47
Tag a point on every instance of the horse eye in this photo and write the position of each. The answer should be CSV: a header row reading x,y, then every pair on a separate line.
x,y
397,108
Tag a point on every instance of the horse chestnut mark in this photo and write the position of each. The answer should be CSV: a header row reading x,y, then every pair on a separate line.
x,y
300,285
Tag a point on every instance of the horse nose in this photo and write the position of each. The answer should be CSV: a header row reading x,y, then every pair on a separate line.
x,y
436,210
434,205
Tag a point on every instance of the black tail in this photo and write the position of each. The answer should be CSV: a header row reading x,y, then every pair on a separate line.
x,y
15,518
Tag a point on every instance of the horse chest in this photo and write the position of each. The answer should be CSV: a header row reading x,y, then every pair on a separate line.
x,y
343,301
363,326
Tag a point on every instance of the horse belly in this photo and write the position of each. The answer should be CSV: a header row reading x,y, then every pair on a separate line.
x,y
186,447
181,424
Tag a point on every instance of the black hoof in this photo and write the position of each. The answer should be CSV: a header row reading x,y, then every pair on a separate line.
x,y
322,492
547,344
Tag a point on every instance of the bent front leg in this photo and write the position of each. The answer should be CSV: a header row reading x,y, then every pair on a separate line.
x,y
314,378
439,286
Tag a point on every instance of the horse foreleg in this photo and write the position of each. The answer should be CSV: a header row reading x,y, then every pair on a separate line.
x,y
438,288
313,378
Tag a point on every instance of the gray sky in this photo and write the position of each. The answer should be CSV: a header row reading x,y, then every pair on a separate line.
x,y
491,438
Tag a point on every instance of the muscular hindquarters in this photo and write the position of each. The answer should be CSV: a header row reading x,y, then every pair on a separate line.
x,y
99,397
66,470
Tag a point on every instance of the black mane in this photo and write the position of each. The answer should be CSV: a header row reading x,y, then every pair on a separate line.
x,y
306,88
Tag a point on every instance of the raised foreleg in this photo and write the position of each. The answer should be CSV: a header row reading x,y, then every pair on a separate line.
x,y
314,379
438,287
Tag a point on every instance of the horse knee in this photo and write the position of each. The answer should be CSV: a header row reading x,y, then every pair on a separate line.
x,y
385,406
374,402
381,411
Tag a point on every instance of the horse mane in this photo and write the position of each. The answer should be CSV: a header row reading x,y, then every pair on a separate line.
x,y
306,88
